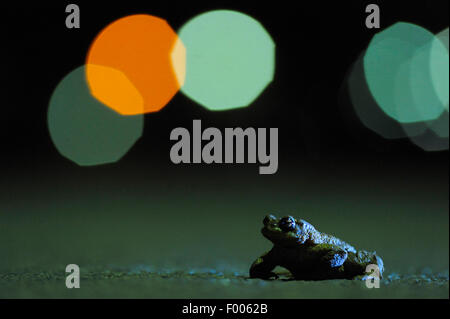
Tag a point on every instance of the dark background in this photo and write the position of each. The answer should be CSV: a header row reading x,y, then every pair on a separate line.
x,y
316,45
332,170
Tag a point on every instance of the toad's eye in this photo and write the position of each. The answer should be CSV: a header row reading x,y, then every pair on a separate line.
x,y
287,224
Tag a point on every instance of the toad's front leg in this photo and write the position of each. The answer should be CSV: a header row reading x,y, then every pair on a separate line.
x,y
263,266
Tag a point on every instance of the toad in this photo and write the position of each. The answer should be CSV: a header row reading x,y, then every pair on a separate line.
x,y
309,254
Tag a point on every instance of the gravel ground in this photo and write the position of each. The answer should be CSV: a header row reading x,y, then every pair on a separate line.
x,y
142,281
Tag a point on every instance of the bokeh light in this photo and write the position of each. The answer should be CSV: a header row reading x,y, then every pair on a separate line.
x,y
86,131
441,126
147,54
405,71
368,111
440,68
429,78
230,59
436,138
431,142
398,87
115,89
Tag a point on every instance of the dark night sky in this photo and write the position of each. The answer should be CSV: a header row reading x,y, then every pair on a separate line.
x,y
316,42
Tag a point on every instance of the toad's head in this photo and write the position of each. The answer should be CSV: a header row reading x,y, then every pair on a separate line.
x,y
286,231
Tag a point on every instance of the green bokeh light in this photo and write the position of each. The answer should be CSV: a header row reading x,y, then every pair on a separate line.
x,y
440,71
368,111
430,89
430,142
441,126
86,131
436,137
406,69
230,59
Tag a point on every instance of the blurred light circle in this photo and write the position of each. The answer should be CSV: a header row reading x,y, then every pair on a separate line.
x,y
436,137
430,142
150,57
440,125
443,36
86,131
403,69
368,111
439,60
429,78
230,59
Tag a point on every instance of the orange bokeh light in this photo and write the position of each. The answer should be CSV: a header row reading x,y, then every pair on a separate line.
x,y
149,60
